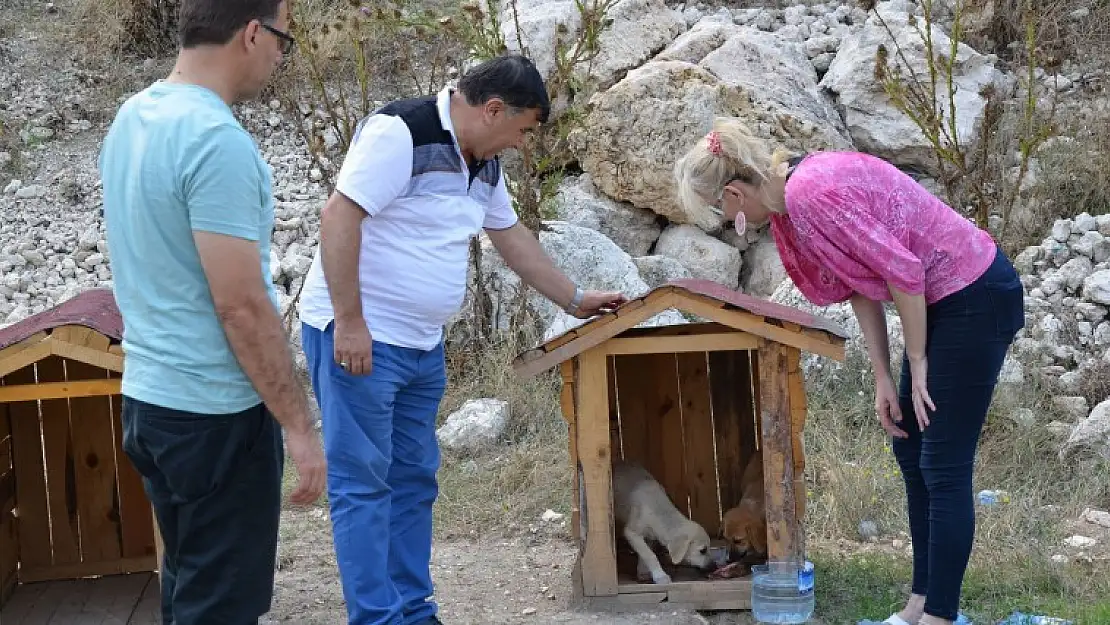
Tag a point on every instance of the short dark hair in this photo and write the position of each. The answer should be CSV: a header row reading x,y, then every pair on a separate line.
x,y
510,77
214,22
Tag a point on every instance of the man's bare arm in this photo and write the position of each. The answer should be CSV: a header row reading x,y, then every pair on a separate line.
x,y
252,326
340,239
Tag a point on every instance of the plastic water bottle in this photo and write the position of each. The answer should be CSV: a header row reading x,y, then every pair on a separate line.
x,y
782,592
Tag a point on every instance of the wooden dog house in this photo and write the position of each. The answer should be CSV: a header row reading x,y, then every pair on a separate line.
x,y
71,503
682,400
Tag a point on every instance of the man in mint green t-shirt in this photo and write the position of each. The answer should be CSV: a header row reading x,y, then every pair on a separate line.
x,y
208,374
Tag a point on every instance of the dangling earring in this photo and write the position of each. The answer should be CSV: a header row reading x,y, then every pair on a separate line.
x,y
740,223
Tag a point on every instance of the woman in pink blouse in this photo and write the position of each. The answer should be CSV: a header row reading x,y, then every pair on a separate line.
x,y
851,227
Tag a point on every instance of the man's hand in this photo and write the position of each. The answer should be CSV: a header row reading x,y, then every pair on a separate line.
x,y
312,472
599,302
354,347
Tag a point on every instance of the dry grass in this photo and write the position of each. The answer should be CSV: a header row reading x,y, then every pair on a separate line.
x,y
854,477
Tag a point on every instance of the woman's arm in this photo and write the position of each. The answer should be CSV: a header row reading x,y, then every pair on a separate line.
x,y
872,321
911,308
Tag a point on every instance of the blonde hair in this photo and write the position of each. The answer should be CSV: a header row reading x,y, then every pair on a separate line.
x,y
701,174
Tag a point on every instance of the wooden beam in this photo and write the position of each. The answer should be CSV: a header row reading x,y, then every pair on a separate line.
x,y
15,348
82,336
87,355
599,561
778,454
653,306
60,390
724,342
119,566
752,324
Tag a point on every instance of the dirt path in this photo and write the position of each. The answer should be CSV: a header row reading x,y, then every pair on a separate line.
x,y
487,581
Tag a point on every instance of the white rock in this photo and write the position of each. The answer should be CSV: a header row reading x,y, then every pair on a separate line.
x,y
1080,542
477,424
580,203
639,29
705,257
550,516
30,192
1092,433
1096,288
876,126
12,187
1096,517
762,271
1082,223
1074,272
657,269
1061,230
665,106
1023,417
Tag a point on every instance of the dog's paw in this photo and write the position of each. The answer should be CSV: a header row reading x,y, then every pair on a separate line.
x,y
661,578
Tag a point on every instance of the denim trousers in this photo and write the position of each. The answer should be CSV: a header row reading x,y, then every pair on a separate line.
x,y
968,335
215,484
382,454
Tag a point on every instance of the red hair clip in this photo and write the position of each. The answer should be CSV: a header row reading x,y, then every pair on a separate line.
x,y
713,143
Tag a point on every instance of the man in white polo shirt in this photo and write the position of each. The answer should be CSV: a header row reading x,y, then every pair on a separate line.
x,y
422,177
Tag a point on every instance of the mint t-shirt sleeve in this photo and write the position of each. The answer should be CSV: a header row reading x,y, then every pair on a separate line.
x,y
378,166
222,184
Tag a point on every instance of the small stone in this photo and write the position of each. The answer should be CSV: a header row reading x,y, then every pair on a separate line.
x,y
898,543
550,516
868,530
30,192
5,159
12,187
274,121
528,611
1096,517
1059,559
1080,542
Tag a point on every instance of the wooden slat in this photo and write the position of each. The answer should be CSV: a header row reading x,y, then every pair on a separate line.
x,y
26,343
33,524
61,481
614,412
9,540
633,388
731,396
681,344
94,448
567,401
627,317
86,569
666,459
24,355
136,525
697,424
599,562
754,440
116,349
83,336
711,309
778,461
59,390
87,355
798,411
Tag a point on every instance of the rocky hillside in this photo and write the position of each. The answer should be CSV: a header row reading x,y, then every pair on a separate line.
x,y
802,76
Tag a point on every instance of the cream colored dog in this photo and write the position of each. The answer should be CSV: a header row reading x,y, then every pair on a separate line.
x,y
643,510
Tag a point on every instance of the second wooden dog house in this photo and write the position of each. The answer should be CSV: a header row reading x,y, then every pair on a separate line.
x,y
71,504
691,403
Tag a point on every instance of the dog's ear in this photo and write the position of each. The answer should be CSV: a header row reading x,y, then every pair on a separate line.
x,y
678,545
757,535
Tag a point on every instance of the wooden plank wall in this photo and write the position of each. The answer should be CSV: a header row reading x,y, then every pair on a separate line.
x,y
84,512
9,545
689,419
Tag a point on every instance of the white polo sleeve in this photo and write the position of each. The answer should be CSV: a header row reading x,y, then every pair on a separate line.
x,y
378,165
500,214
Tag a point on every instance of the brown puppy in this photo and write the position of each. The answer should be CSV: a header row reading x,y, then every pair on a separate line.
x,y
744,526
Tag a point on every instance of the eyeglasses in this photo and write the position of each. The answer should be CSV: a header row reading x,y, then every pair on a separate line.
x,y
287,40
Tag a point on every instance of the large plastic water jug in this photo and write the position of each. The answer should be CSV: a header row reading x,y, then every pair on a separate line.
x,y
782,592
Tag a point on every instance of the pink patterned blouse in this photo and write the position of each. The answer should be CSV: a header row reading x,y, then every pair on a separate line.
x,y
854,222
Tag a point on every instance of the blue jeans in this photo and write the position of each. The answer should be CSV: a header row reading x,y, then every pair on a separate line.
x,y
968,335
382,454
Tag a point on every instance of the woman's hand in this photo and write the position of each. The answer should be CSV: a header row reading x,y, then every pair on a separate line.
x,y
886,406
919,374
